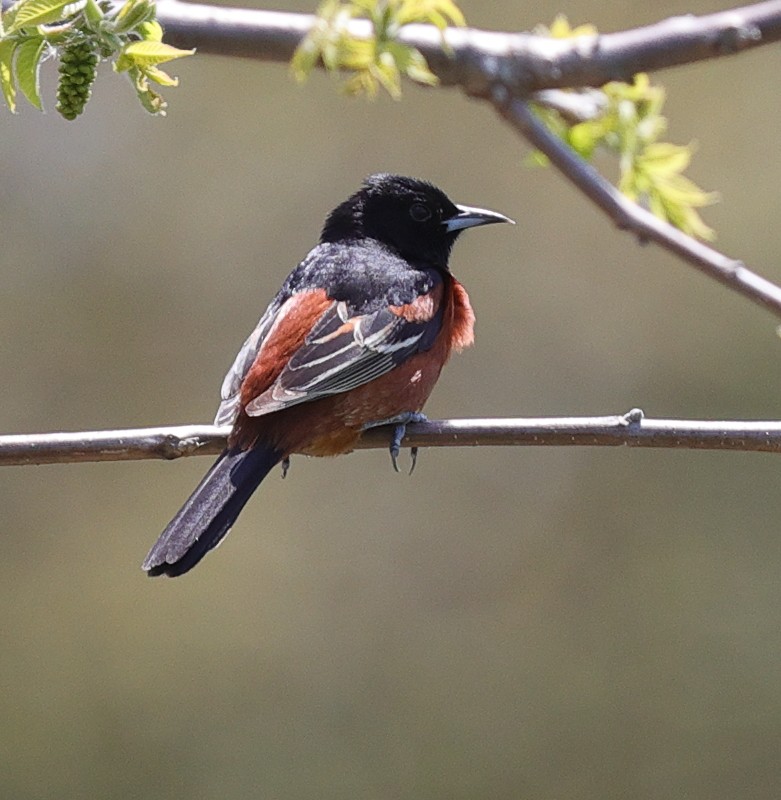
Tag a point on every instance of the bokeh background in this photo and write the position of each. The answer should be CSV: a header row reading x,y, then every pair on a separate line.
x,y
507,623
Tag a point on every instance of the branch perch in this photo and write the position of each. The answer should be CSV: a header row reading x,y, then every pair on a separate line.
x,y
631,429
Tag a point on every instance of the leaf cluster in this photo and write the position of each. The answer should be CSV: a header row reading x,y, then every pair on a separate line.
x,y
81,32
630,125
380,60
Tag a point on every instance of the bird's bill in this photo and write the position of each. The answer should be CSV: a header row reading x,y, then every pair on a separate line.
x,y
469,217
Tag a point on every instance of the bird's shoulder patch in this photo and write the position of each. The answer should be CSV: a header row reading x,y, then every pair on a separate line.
x,y
292,324
422,308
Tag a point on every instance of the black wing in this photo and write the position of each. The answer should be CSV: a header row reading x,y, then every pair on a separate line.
x,y
346,350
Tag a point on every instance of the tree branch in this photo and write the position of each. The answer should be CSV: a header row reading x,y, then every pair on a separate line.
x,y
522,62
631,429
630,216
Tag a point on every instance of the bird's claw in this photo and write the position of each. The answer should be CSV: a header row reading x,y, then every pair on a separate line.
x,y
398,435
395,445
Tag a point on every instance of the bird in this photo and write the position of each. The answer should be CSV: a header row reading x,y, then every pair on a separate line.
x,y
355,338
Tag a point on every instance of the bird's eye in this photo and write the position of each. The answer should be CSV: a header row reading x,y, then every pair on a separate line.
x,y
419,212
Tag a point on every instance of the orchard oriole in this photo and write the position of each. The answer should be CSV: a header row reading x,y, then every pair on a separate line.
x,y
356,337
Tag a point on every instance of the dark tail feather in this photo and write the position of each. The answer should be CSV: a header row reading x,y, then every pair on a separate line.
x,y
205,519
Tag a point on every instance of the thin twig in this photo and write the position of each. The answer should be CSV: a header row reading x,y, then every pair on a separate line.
x,y
631,429
630,216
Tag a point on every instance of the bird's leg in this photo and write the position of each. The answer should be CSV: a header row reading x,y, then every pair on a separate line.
x,y
285,463
400,422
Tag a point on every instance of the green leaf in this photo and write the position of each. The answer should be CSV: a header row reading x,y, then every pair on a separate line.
x,y
127,10
150,31
586,136
656,205
418,71
380,60
410,62
630,126
160,77
434,12
40,12
147,54
561,29
355,54
362,82
453,13
693,225
304,59
28,64
366,7
132,14
387,73
10,13
664,157
7,84
150,99
679,189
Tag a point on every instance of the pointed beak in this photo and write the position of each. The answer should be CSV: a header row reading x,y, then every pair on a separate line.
x,y
468,217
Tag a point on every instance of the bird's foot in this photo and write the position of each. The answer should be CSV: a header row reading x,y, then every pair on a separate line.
x,y
400,422
285,463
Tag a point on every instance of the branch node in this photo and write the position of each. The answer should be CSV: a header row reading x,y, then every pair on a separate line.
x,y
642,240
500,94
174,446
734,266
734,38
633,417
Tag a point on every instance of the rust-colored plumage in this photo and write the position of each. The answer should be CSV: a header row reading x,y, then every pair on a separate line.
x,y
356,337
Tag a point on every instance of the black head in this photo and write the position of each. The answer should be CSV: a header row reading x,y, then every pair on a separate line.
x,y
411,216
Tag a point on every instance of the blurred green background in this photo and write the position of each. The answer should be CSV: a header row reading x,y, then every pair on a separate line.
x,y
507,623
